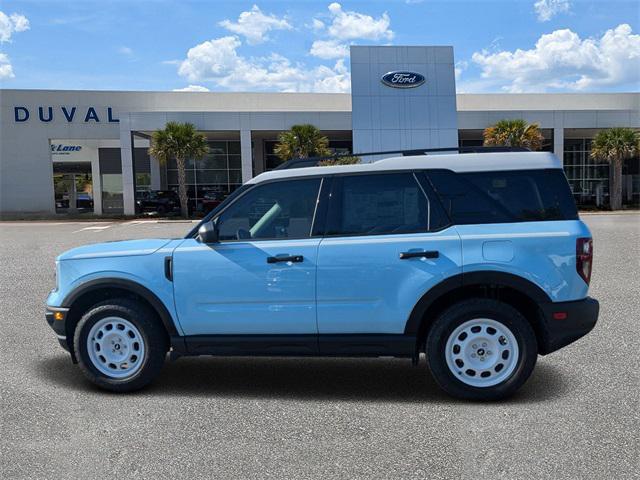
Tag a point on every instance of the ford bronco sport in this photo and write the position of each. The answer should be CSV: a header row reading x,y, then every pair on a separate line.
x,y
479,260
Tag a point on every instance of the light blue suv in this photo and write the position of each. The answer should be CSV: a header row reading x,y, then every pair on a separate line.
x,y
478,260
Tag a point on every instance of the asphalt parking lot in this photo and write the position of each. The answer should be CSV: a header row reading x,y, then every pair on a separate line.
x,y
577,417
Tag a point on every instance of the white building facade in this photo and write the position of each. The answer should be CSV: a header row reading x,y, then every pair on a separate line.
x,y
86,151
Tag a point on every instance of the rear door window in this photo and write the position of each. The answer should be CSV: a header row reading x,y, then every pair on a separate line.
x,y
377,204
504,196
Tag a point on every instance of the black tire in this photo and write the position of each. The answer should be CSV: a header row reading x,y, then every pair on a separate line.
x,y
471,309
153,333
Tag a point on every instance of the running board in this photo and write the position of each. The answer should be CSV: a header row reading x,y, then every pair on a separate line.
x,y
328,345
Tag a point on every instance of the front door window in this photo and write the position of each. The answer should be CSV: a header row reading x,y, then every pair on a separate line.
x,y
276,210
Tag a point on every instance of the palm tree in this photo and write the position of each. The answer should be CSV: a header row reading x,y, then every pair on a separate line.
x,y
514,133
302,141
180,141
614,146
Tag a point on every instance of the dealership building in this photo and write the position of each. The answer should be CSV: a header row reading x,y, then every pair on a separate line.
x,y
86,151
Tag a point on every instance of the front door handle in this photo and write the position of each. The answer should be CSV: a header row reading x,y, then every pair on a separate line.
x,y
285,258
427,254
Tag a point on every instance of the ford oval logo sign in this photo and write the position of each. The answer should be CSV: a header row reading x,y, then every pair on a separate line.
x,y
401,79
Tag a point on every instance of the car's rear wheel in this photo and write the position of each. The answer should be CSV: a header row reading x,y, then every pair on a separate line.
x,y
481,349
120,345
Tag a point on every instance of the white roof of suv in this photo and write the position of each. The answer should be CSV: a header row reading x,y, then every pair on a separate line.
x,y
466,162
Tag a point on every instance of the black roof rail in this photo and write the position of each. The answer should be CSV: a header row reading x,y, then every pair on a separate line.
x,y
314,161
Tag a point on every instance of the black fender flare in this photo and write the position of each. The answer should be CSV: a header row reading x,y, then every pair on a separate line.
x,y
131,286
487,277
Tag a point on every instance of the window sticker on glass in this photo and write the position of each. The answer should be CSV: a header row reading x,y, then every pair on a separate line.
x,y
378,204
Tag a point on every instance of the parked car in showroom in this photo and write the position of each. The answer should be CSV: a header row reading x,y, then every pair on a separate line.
x,y
84,201
161,202
477,260
211,199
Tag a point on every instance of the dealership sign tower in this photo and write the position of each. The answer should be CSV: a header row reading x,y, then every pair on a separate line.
x,y
403,98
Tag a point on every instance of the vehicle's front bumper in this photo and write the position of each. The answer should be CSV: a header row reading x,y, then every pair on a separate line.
x,y
56,318
579,319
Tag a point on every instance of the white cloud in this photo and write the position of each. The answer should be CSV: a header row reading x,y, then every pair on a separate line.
x,y
10,24
219,62
547,9
329,49
331,80
125,51
210,59
317,25
6,70
349,25
561,60
254,25
346,26
460,67
192,88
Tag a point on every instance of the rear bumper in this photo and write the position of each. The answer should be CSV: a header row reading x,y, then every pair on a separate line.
x,y
580,318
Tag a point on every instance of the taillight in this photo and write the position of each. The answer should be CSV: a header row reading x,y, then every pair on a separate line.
x,y
584,258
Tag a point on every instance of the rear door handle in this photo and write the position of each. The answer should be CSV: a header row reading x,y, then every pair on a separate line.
x,y
427,254
285,258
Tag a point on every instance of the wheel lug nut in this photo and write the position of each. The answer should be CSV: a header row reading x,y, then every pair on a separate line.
x,y
473,355
484,344
474,345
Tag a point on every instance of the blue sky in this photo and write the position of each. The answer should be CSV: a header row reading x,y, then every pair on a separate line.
x,y
500,46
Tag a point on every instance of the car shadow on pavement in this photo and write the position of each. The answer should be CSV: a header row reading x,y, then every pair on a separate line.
x,y
341,379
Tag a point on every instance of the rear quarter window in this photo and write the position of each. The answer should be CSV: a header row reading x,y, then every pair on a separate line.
x,y
504,196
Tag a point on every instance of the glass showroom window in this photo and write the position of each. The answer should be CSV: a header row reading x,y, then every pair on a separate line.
x,y
589,180
112,194
213,177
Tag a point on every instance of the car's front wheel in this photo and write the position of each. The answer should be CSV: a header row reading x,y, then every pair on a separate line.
x,y
120,345
481,349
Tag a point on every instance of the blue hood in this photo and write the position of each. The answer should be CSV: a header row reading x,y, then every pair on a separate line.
x,y
126,248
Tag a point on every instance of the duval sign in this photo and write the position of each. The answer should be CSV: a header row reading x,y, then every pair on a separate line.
x,y
403,79
66,113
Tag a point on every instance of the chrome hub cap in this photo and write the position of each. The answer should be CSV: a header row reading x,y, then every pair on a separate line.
x,y
482,352
116,347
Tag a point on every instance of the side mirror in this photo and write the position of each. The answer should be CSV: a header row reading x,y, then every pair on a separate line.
x,y
208,233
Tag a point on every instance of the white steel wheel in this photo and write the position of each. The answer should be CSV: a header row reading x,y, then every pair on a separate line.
x,y
115,347
482,352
